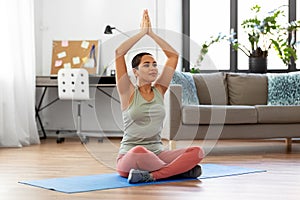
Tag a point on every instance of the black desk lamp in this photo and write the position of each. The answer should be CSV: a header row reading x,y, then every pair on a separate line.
x,y
108,30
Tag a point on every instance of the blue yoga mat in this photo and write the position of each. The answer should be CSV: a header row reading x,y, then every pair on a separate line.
x,y
109,181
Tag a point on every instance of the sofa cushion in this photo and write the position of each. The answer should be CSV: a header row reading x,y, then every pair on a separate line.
x,y
189,91
278,114
284,89
219,114
211,88
247,89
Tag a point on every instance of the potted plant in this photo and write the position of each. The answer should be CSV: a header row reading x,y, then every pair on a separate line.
x,y
263,34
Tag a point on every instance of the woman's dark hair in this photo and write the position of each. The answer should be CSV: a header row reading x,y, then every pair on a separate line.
x,y
137,59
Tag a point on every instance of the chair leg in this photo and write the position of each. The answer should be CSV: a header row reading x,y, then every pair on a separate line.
x,y
288,143
79,118
84,139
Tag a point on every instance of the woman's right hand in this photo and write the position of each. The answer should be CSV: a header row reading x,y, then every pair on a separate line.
x,y
146,23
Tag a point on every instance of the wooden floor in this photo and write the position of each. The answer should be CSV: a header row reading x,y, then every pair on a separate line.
x,y
71,158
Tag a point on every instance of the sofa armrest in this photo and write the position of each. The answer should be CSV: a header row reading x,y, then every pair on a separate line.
x,y
173,105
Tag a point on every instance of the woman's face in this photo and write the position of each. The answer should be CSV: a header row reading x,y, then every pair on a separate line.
x,y
147,70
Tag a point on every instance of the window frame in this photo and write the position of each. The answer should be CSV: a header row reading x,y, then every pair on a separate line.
x,y
233,26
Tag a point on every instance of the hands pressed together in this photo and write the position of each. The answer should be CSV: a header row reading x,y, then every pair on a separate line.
x,y
146,27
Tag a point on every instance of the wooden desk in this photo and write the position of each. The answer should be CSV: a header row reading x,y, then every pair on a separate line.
x,y
46,82
95,81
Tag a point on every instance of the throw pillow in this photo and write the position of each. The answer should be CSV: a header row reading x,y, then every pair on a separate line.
x,y
189,91
211,88
284,89
247,89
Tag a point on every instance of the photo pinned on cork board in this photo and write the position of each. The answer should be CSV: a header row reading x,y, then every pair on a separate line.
x,y
75,54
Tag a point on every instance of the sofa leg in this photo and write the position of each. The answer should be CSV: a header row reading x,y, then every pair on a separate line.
x,y
288,143
172,144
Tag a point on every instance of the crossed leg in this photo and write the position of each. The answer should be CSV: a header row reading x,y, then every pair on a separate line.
x,y
163,165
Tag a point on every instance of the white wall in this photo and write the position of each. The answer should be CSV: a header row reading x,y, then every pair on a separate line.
x,y
86,19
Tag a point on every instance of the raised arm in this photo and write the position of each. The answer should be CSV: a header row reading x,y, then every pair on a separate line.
x,y
121,69
165,78
124,85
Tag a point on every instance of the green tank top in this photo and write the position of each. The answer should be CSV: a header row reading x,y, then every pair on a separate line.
x,y
143,122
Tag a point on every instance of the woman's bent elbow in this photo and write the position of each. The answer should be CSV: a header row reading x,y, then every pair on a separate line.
x,y
119,52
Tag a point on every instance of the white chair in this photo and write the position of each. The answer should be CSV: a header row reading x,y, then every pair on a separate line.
x,y
73,84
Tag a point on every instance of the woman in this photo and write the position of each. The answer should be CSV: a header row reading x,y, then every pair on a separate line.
x,y
141,155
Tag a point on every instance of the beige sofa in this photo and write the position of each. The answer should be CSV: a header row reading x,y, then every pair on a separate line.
x,y
231,106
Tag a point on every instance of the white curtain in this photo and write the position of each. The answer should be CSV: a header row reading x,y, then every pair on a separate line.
x,y
17,74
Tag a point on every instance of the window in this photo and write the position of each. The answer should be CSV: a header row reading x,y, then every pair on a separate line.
x,y
274,62
298,36
208,18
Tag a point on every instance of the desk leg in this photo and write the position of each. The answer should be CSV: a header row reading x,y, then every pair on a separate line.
x,y
37,110
41,124
107,94
42,98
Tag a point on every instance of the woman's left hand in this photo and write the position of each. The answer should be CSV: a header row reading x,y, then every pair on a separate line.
x,y
146,23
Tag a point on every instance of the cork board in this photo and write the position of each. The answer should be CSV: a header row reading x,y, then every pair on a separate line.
x,y
75,54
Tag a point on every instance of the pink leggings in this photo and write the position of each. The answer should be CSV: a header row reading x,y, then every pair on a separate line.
x,y
166,164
